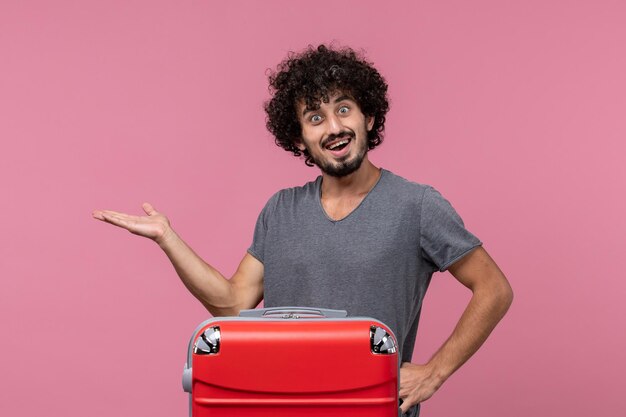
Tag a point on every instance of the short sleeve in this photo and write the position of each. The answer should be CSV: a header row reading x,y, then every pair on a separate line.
x,y
257,249
444,239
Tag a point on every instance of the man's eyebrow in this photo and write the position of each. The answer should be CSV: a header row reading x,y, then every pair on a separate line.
x,y
307,110
343,97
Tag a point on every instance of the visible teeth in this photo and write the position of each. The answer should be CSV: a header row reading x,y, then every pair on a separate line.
x,y
341,142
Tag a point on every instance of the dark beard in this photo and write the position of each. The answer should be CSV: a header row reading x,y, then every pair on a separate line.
x,y
344,167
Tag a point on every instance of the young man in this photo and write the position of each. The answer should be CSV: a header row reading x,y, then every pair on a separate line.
x,y
357,238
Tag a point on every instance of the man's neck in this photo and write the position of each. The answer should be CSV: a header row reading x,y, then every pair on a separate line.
x,y
359,183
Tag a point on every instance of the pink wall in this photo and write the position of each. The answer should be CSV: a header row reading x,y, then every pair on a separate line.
x,y
514,110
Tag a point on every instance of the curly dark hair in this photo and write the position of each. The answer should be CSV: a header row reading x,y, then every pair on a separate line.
x,y
312,76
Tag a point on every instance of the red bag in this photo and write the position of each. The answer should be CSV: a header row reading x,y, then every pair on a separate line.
x,y
292,361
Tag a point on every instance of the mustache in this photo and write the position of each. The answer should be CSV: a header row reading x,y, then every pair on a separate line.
x,y
332,138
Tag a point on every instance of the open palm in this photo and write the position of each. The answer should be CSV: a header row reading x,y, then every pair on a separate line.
x,y
153,226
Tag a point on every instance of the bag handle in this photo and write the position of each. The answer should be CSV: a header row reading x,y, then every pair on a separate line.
x,y
293,313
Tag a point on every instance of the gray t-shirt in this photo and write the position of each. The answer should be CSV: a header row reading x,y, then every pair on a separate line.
x,y
375,262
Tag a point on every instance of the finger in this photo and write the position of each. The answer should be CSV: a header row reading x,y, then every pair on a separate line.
x,y
150,211
112,213
104,214
108,215
123,216
116,219
111,217
406,404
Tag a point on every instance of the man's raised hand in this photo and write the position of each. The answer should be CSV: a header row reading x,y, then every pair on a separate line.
x,y
154,226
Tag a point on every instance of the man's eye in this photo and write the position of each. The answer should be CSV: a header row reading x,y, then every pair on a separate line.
x,y
344,109
316,118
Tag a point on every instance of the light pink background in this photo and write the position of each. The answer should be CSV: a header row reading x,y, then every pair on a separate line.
x,y
515,111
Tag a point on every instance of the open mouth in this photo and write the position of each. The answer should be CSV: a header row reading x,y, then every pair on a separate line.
x,y
338,144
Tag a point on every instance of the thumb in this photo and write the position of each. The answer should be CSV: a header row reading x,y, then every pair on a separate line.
x,y
150,211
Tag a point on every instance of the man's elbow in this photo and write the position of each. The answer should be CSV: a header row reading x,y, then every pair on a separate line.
x,y
504,295
496,292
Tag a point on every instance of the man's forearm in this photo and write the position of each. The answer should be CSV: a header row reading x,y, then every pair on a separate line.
x,y
482,314
206,283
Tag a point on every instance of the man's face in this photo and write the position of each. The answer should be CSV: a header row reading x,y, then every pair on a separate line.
x,y
335,134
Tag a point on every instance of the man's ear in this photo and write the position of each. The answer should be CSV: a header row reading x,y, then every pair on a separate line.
x,y
369,120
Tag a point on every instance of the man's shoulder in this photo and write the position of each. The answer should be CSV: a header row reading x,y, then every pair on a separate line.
x,y
296,193
402,187
292,196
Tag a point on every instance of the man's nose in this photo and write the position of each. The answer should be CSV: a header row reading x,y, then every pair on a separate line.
x,y
334,125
